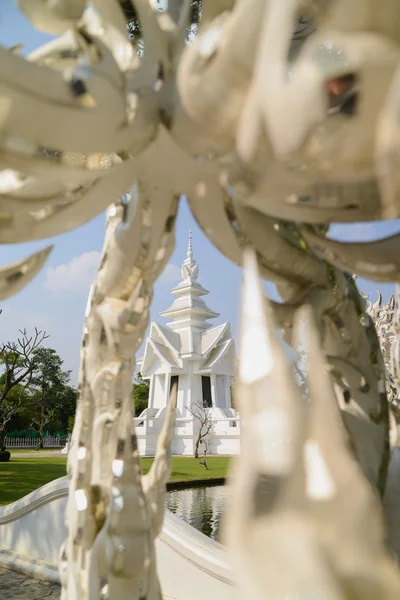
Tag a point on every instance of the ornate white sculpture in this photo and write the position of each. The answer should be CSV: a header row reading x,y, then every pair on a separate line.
x,y
112,509
299,492
386,320
271,137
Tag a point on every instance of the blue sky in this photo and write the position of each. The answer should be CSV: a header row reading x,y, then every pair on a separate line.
x,y
56,299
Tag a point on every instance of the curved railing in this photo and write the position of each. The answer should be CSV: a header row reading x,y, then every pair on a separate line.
x,y
189,563
44,495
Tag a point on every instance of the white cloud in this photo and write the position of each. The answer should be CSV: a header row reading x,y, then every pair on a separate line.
x,y
170,275
75,276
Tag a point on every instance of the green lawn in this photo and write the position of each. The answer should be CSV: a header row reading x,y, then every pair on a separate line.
x,y
21,476
185,468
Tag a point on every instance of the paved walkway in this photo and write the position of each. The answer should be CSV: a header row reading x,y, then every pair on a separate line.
x,y
16,586
39,454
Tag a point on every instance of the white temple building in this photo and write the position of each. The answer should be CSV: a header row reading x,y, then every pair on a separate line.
x,y
202,360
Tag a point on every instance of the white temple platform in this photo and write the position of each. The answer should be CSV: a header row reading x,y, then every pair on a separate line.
x,y
202,360
224,441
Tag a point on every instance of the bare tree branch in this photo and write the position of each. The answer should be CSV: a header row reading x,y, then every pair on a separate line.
x,y
203,415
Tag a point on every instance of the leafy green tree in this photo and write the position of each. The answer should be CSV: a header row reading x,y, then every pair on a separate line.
x,y
13,409
63,418
66,411
71,423
18,362
141,389
50,387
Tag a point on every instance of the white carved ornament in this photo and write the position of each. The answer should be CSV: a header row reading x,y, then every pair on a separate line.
x,y
271,137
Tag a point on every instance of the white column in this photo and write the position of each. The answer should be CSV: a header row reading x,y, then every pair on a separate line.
x,y
187,397
167,384
151,393
190,340
213,389
228,403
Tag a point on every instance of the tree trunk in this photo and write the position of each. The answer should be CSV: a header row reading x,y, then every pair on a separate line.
x,y
2,439
196,450
40,444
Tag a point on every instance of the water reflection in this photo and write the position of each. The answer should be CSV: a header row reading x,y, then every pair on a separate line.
x,y
201,507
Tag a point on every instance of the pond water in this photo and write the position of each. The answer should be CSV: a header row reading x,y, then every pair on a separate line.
x,y
201,507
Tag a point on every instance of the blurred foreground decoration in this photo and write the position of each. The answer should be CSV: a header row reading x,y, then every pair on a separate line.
x,y
267,162
386,318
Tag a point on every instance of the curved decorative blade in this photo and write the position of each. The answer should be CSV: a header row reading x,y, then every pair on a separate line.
x,y
377,305
93,94
52,17
268,501
64,216
272,414
16,276
154,482
387,151
326,425
341,499
378,260
280,259
232,226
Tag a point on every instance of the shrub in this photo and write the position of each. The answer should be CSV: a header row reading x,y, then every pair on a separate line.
x,y
4,455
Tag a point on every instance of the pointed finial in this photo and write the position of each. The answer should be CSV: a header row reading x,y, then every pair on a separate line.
x,y
190,268
189,250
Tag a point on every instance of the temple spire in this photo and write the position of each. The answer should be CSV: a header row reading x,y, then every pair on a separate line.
x,y
189,313
190,268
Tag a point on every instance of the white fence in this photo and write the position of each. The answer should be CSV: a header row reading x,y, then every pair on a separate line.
x,y
48,442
